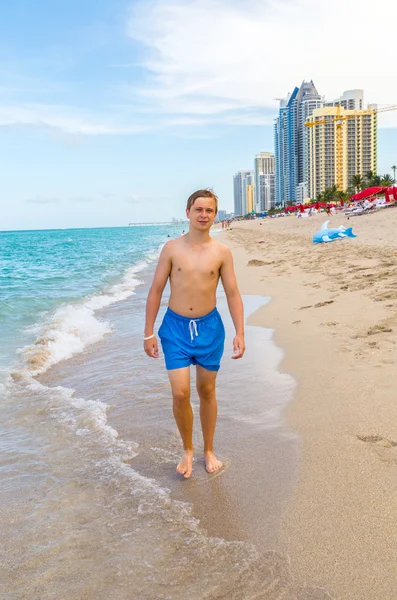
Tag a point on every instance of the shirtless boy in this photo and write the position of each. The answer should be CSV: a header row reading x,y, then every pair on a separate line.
x,y
192,332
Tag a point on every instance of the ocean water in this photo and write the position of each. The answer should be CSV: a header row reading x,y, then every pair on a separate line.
x,y
91,506
52,280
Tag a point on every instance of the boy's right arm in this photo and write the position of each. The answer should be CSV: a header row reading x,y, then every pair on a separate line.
x,y
160,278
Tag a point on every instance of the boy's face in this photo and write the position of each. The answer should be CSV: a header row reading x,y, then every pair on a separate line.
x,y
202,213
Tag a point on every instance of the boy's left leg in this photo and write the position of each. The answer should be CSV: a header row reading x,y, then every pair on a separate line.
x,y
205,384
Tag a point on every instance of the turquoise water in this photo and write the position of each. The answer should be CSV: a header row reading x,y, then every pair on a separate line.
x,y
42,271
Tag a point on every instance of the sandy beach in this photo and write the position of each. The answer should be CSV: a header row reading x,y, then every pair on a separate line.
x,y
304,509
333,311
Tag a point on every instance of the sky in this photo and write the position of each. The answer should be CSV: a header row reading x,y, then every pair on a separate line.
x,y
114,111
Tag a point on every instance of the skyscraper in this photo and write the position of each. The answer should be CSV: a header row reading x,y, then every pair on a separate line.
x,y
290,142
250,197
358,147
241,180
266,191
350,100
264,181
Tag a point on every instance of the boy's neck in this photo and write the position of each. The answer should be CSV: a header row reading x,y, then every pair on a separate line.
x,y
198,237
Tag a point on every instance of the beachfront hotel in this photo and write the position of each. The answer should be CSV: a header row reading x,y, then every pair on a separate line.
x,y
264,181
350,100
335,163
250,193
242,181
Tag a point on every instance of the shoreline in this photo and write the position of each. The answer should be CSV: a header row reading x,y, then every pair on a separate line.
x,y
332,310
234,508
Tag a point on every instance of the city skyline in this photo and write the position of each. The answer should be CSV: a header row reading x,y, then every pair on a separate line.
x,y
329,152
110,112
339,145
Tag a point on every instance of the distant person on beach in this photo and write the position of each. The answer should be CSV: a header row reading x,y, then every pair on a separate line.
x,y
192,332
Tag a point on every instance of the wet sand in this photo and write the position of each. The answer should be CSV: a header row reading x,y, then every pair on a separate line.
x,y
244,504
333,309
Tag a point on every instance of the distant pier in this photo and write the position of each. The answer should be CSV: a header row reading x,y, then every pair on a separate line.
x,y
158,223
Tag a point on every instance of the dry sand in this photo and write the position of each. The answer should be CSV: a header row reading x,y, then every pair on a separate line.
x,y
333,309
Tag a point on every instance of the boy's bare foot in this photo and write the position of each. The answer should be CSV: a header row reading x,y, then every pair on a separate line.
x,y
185,466
212,463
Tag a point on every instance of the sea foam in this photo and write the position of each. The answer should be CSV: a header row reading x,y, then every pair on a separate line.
x,y
73,327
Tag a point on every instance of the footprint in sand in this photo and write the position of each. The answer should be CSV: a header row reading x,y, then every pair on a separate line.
x,y
379,329
373,345
319,304
377,439
255,263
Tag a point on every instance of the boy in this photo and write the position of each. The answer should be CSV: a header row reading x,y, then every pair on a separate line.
x,y
192,331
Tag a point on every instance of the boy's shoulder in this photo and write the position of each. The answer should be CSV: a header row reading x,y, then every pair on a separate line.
x,y
175,243
220,247
174,246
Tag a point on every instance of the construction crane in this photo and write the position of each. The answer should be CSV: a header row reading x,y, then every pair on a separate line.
x,y
339,119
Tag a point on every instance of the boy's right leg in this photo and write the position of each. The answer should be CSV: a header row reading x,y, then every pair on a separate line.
x,y
180,385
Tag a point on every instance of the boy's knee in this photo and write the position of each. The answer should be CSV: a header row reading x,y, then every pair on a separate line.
x,y
206,391
181,396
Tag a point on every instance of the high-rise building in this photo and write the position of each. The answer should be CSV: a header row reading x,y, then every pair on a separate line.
x,y
350,100
358,147
250,197
241,180
266,191
290,141
264,196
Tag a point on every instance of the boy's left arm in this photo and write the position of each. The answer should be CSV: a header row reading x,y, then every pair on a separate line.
x,y
234,302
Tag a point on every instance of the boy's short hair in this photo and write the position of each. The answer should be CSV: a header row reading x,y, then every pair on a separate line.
x,y
202,194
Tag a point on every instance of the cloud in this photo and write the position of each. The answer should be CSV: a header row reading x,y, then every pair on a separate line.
x,y
42,200
220,57
194,65
67,119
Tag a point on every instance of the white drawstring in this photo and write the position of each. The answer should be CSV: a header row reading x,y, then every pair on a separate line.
x,y
192,328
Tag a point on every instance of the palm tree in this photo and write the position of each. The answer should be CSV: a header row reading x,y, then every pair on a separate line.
x,y
346,194
387,180
372,180
394,173
357,182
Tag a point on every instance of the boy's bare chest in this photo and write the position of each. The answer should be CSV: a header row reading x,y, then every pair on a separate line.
x,y
196,264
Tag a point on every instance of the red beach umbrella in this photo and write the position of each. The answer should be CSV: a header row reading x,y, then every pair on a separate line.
x,y
372,191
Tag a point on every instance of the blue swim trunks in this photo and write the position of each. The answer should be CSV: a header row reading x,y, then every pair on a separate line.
x,y
188,341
